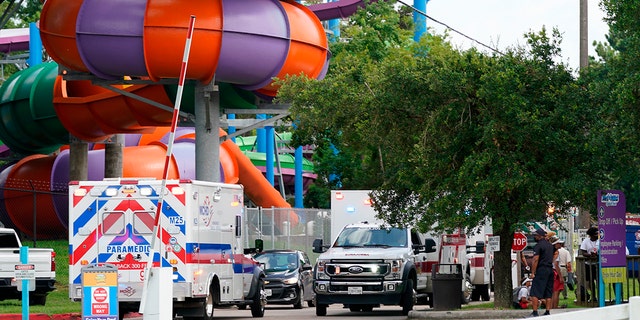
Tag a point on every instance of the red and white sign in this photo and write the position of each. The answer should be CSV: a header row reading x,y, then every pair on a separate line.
x,y
519,241
100,294
99,308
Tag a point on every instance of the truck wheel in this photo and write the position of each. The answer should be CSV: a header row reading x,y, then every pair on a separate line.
x,y
259,301
484,292
367,308
299,299
475,294
408,297
37,299
321,310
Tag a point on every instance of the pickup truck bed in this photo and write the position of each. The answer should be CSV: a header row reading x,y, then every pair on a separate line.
x,y
43,260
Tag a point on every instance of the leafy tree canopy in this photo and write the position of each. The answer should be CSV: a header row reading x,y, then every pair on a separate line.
x,y
448,138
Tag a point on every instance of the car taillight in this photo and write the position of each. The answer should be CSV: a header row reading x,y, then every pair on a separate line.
x,y
53,261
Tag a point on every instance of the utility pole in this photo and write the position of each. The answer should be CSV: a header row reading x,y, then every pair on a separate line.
x,y
584,34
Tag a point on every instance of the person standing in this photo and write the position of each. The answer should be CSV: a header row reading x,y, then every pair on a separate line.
x,y
558,280
542,273
566,268
589,249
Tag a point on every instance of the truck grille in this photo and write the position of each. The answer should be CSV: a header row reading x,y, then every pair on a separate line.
x,y
365,288
378,270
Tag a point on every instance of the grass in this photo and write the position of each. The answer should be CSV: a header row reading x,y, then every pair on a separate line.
x,y
564,303
58,301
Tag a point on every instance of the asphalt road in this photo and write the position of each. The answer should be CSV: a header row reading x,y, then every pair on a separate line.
x,y
333,312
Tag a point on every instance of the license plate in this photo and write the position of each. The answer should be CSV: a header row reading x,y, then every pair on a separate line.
x,y
268,292
355,290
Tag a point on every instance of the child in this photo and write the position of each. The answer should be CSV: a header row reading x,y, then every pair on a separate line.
x,y
521,299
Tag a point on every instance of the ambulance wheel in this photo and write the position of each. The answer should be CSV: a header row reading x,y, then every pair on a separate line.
x,y
257,307
467,289
207,305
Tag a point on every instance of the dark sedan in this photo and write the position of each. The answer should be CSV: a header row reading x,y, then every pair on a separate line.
x,y
289,277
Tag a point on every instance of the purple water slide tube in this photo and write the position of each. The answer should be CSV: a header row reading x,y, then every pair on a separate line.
x,y
335,10
183,152
252,51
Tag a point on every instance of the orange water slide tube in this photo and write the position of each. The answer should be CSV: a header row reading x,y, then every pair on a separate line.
x,y
245,43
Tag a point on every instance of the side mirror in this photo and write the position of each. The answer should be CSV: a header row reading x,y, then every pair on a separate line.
x,y
318,246
259,244
430,245
258,247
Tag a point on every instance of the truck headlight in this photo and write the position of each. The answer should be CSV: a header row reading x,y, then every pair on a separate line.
x,y
395,270
320,270
396,266
293,280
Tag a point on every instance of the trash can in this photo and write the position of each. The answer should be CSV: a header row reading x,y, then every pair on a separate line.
x,y
447,286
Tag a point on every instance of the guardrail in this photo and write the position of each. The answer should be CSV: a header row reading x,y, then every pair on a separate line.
x,y
624,311
587,284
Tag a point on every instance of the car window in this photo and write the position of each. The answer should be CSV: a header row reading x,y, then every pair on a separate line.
x,y
278,261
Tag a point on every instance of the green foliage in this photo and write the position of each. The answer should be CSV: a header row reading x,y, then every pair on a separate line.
x,y
449,138
58,301
19,13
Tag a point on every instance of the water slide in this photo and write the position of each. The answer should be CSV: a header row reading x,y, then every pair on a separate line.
x,y
232,40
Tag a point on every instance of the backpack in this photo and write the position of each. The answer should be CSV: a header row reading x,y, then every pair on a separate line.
x,y
515,293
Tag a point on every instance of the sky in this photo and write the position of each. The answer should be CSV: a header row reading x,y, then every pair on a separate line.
x,y
502,23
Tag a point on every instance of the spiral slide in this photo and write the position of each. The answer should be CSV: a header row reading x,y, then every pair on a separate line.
x,y
26,98
233,40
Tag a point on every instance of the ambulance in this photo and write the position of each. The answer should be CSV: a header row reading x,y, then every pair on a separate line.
x,y
199,238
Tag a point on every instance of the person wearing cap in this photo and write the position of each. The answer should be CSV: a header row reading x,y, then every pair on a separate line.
x,y
541,273
522,300
589,249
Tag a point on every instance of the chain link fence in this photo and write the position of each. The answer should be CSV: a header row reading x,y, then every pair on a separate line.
x,y
287,228
39,210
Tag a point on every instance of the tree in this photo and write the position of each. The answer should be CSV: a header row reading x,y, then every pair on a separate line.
x,y
448,138
612,83
19,13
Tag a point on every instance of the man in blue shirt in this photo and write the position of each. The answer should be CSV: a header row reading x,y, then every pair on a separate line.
x,y
541,272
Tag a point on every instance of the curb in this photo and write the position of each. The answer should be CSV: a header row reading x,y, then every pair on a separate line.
x,y
41,316
64,316
478,314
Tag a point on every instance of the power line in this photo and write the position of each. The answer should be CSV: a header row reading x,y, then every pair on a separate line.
x,y
450,28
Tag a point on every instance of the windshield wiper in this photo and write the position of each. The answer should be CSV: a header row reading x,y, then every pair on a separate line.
x,y
378,245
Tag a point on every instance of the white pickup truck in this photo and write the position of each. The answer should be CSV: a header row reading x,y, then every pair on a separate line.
x,y
42,260
369,265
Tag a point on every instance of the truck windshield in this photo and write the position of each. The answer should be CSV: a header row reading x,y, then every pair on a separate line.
x,y
371,237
